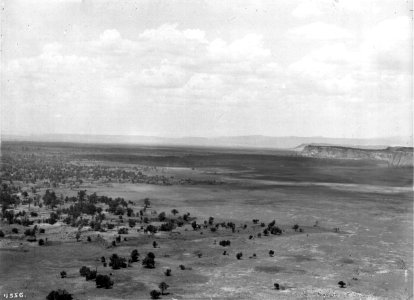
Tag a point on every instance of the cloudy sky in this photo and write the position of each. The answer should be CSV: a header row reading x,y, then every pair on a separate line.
x,y
337,68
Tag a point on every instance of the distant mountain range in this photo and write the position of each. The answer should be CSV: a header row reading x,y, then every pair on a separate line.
x,y
250,141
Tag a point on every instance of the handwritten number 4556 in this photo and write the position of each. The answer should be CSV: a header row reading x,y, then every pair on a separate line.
x,y
13,295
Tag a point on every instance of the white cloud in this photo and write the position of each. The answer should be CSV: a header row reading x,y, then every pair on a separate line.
x,y
307,9
320,31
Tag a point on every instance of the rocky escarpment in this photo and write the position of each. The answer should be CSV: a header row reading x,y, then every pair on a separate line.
x,y
394,156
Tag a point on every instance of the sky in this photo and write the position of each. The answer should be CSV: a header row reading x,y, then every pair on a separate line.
x,y
337,68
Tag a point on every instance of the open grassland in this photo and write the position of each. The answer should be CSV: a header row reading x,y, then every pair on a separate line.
x,y
370,204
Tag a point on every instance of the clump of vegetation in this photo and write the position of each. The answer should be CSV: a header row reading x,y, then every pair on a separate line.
x,y
59,295
224,243
271,253
103,281
163,287
41,242
15,230
295,227
134,255
342,284
123,230
239,255
182,267
1,233
167,272
117,262
155,294
149,261
63,274
277,286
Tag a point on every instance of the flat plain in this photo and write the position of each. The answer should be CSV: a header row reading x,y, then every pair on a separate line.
x,y
354,217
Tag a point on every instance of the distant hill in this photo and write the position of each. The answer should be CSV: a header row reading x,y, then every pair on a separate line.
x,y
394,156
250,141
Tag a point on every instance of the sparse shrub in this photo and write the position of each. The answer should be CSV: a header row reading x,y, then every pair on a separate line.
x,y
41,242
213,229
41,230
239,255
113,244
103,259
110,226
83,271
271,253
155,294
59,295
163,287
224,243
342,284
89,239
123,230
1,233
63,274
148,262
277,286
295,227
167,226
182,267
91,275
103,281
161,217
117,262
167,272
250,237
255,221
134,255
131,223
154,244
15,230
259,235
33,214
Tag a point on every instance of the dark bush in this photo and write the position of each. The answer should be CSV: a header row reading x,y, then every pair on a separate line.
x,y
41,230
1,233
277,286
123,230
15,230
239,255
155,294
41,242
295,227
342,284
59,295
83,271
33,214
89,239
271,253
167,272
117,262
134,255
149,262
63,274
103,281
91,275
182,267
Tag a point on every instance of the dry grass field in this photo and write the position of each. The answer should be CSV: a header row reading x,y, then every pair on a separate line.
x,y
370,204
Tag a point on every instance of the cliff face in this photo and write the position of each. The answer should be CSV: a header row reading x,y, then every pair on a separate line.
x,y
394,156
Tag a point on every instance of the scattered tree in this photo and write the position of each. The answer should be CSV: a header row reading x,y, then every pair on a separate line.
x,y
163,287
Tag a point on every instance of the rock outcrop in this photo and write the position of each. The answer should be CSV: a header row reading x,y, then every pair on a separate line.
x,y
394,156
